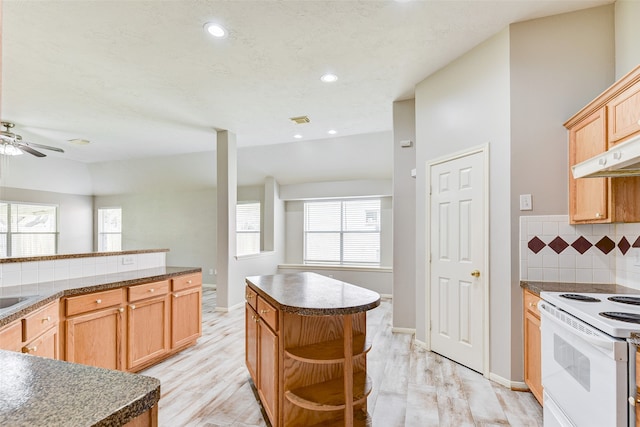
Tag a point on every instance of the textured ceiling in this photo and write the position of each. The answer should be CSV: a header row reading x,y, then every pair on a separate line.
x,y
142,78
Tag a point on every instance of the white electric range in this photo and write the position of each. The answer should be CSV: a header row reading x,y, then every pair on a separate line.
x,y
588,368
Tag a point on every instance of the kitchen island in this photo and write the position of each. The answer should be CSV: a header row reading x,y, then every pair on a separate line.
x,y
36,391
306,348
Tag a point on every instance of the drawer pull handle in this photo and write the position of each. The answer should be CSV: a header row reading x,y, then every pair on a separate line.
x,y
151,290
133,307
176,295
598,215
46,319
121,310
255,318
189,282
249,296
264,311
98,301
30,349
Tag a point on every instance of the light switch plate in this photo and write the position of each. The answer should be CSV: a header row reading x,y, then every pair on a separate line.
x,y
525,202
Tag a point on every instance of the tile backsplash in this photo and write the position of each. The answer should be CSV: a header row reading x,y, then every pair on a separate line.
x,y
24,273
552,250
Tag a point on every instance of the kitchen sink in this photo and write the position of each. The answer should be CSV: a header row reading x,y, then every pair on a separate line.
x,y
10,302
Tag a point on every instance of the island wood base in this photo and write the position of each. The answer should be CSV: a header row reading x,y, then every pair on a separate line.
x,y
308,369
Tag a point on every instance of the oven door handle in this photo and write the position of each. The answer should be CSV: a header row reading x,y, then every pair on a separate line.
x,y
606,344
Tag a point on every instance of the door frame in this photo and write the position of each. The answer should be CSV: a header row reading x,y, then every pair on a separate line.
x,y
484,149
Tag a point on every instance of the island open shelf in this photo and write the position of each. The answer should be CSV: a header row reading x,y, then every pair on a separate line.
x,y
306,349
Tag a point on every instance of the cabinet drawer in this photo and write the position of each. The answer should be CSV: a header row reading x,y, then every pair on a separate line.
x,y
268,313
94,301
251,296
39,321
531,303
139,292
188,281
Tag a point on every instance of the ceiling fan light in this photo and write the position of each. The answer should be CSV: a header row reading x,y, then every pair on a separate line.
x,y
10,150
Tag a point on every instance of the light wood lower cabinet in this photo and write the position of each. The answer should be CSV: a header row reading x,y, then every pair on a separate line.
x,y
148,323
36,334
95,337
532,346
186,311
146,419
134,327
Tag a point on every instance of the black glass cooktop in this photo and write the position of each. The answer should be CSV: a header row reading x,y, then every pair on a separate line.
x,y
625,300
580,297
623,317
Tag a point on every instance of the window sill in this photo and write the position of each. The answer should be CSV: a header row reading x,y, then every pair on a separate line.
x,y
258,255
335,268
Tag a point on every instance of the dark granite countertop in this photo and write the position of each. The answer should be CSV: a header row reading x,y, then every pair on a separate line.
x,y
607,288
48,291
312,294
35,391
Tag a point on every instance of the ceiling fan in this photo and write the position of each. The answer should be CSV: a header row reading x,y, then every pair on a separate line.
x,y
12,144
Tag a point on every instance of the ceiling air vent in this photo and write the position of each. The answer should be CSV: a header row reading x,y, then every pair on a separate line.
x,y
300,120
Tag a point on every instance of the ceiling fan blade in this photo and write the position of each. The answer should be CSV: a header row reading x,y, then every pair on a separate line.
x,y
46,147
30,150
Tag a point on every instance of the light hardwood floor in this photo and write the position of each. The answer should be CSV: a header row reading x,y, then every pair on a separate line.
x,y
208,385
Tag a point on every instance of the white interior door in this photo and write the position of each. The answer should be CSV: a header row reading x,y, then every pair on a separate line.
x,y
457,280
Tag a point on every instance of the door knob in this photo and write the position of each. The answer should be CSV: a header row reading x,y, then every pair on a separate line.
x,y
475,273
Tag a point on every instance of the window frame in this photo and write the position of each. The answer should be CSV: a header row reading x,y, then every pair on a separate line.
x,y
343,232
9,243
100,234
258,232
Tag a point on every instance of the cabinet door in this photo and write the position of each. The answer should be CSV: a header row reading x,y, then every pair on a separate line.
x,y
186,317
589,199
46,345
624,114
532,355
147,331
11,336
96,338
268,370
251,343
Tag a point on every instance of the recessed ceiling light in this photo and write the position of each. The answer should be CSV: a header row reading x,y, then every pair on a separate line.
x,y
332,131
216,30
329,78
297,136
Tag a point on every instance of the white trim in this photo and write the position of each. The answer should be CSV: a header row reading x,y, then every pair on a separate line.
x,y
421,344
209,286
513,385
228,309
484,149
410,331
386,296
258,255
335,268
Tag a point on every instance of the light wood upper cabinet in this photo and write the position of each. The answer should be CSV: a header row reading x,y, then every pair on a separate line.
x,y
624,115
612,117
532,346
589,199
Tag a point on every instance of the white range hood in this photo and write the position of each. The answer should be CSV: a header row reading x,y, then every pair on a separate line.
x,y
621,160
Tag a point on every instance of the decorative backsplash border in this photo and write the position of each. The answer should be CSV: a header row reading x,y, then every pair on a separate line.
x,y
551,249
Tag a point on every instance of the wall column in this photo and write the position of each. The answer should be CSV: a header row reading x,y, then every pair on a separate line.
x,y
227,179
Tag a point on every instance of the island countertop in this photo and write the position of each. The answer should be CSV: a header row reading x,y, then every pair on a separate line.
x,y
311,294
35,391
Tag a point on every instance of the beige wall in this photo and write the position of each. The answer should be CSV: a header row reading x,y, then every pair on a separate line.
x,y
513,92
404,215
627,36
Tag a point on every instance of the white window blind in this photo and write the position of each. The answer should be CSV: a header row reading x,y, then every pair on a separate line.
x,y
109,229
28,230
342,232
248,228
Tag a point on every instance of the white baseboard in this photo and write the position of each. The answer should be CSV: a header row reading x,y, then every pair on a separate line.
x,y
386,296
410,331
210,286
228,309
513,385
